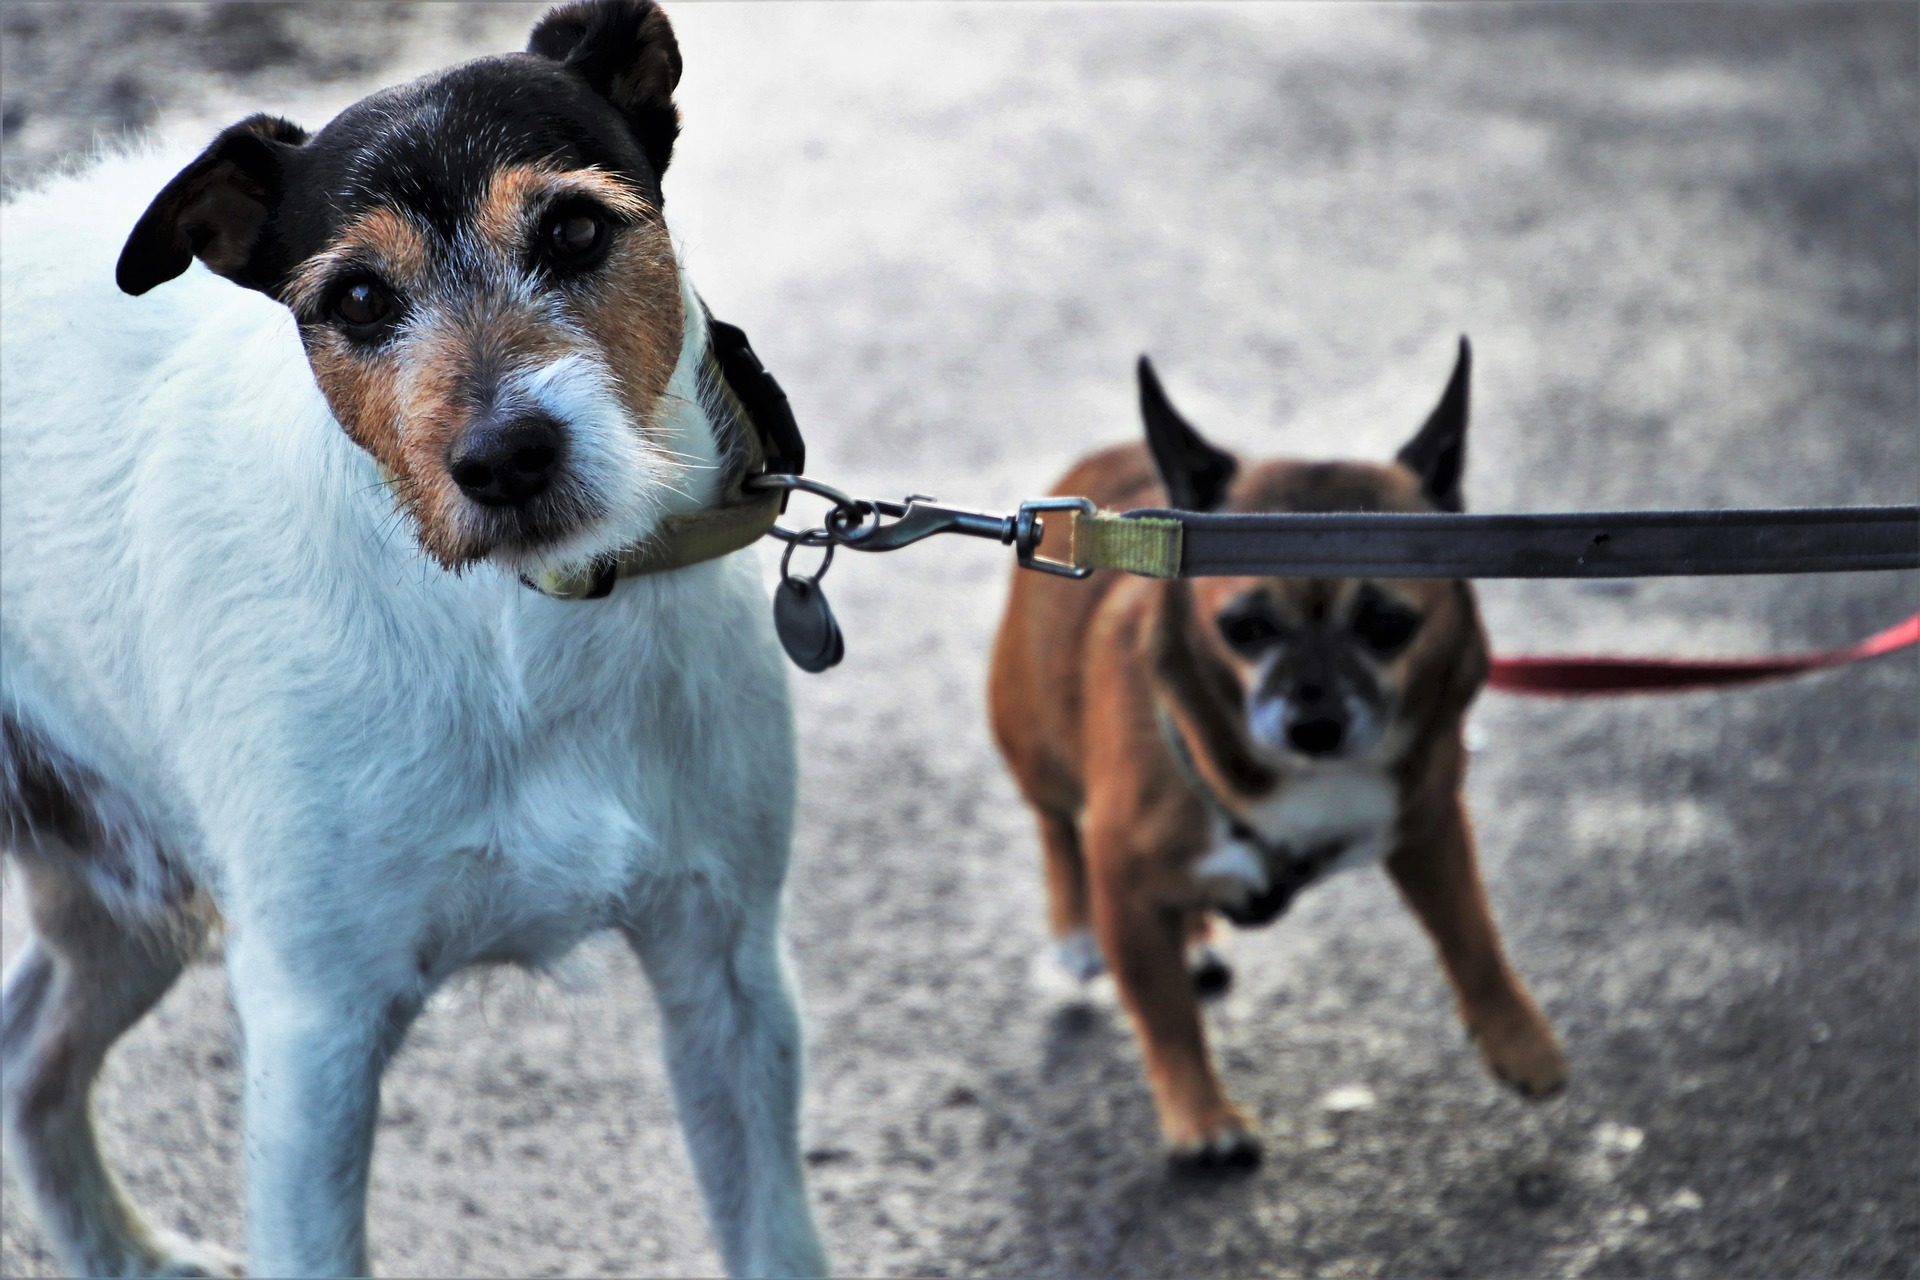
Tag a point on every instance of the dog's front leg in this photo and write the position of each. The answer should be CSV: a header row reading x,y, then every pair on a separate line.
x,y
1439,876
1145,943
317,1035
733,1053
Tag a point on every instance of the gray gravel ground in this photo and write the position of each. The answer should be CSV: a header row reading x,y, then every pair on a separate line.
x,y
1683,238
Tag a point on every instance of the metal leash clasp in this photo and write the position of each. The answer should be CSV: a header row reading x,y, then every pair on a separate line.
x,y
863,525
916,518
1030,529
860,524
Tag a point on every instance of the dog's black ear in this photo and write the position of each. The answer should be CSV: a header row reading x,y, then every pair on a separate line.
x,y
624,50
1195,474
216,210
1438,454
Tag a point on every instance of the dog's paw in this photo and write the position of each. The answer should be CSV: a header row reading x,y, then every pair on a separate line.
x,y
1078,955
1525,1055
178,1257
1228,1146
1212,975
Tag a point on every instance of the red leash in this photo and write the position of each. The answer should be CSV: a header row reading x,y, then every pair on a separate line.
x,y
1598,677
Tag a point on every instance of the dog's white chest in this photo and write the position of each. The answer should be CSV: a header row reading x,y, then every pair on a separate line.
x,y
1353,808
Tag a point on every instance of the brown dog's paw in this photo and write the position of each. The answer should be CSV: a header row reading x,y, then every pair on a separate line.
x,y
1231,1146
1526,1056
1212,975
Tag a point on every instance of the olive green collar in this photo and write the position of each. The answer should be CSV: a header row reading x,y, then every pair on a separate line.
x,y
746,405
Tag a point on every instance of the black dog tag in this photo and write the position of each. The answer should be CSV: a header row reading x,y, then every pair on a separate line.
x,y
806,624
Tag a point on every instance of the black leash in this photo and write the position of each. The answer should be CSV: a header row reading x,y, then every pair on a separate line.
x,y
1624,544
1164,543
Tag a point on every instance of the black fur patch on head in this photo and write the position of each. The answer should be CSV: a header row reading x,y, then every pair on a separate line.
x,y
626,51
431,148
595,92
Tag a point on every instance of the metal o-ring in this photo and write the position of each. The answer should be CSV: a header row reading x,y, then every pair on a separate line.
x,y
855,511
806,539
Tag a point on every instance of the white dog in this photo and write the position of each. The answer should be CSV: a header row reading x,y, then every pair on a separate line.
x,y
236,694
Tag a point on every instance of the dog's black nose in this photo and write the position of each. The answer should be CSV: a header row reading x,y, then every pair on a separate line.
x,y
505,462
1317,737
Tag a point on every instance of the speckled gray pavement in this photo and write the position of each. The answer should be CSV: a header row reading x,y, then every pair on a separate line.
x,y
1683,240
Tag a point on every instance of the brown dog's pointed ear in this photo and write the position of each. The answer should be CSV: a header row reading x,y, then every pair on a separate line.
x,y
625,51
215,210
1194,473
1438,454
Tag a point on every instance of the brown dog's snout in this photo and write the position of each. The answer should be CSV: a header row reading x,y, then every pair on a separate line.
x,y
506,461
1318,724
1304,700
1318,736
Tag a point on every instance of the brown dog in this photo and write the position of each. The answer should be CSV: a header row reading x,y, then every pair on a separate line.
x,y
1217,744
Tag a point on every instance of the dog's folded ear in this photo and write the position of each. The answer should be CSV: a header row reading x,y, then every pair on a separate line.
x,y
1194,473
625,51
217,210
1438,453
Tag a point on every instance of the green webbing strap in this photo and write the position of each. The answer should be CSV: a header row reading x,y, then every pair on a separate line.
x,y
1146,545
742,516
681,540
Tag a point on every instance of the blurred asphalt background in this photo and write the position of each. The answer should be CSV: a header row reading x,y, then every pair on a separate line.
x,y
1683,239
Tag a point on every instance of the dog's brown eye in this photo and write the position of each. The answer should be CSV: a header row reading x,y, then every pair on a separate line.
x,y
363,305
1249,632
1383,625
574,236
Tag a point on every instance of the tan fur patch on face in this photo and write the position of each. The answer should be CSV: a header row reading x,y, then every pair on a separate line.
x,y
631,304
478,314
361,391
385,240
635,316
516,195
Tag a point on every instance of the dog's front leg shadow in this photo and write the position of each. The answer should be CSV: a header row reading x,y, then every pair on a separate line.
x,y
315,1050
734,1055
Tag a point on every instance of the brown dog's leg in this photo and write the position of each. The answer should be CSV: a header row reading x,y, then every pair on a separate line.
x,y
1440,879
1067,917
1066,874
1145,947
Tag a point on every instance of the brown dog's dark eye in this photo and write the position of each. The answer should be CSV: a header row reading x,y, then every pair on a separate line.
x,y
363,305
574,239
1249,629
1382,624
